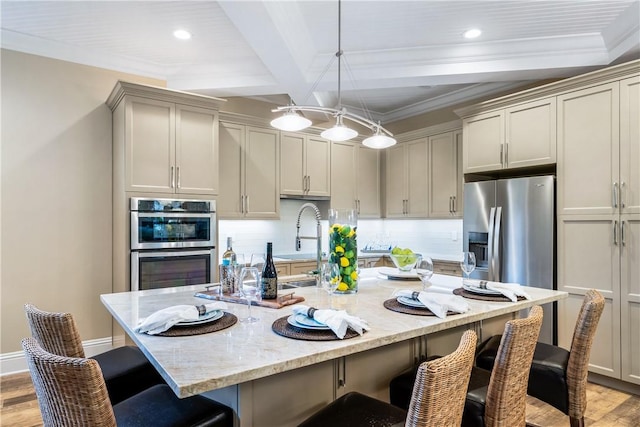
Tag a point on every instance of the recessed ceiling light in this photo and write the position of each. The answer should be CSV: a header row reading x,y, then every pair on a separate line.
x,y
182,34
472,33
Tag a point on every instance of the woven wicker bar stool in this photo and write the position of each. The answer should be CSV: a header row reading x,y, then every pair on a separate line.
x,y
72,392
126,370
438,397
559,377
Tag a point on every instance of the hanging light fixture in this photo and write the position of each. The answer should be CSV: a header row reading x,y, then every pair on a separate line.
x,y
291,121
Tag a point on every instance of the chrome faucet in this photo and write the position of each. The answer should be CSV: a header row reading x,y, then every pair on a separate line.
x,y
318,237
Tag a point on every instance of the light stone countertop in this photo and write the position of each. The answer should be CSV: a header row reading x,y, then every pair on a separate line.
x,y
244,352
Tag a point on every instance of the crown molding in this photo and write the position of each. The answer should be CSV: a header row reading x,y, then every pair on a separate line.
x,y
123,88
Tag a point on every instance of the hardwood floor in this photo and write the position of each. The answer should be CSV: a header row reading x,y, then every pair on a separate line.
x,y
606,408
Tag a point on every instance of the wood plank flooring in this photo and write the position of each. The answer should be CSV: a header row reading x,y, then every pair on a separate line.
x,y
606,408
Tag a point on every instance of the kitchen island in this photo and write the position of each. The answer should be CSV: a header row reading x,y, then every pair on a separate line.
x,y
271,380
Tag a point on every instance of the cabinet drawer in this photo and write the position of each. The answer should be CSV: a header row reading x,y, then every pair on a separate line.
x,y
301,267
282,269
449,269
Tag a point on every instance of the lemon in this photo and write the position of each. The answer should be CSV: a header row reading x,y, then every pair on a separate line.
x,y
344,262
339,249
336,227
342,287
351,233
354,275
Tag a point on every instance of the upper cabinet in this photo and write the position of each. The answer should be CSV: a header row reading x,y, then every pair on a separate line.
x,y
445,175
305,165
519,136
407,176
250,172
355,183
165,141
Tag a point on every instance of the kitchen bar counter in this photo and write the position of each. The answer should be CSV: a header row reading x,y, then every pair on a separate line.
x,y
246,352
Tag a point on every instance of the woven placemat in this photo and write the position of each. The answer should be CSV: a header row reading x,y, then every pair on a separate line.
x,y
393,305
471,295
282,327
224,322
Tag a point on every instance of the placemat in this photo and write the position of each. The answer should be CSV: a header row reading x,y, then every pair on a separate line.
x,y
471,295
282,327
281,301
224,322
393,305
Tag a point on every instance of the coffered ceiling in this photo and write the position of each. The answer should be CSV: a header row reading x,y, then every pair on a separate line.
x,y
401,58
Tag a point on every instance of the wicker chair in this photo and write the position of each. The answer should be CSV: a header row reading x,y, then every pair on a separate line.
x,y
72,392
438,397
559,377
126,370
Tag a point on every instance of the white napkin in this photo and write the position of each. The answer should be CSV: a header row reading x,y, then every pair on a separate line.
x,y
439,304
509,290
163,319
337,320
443,284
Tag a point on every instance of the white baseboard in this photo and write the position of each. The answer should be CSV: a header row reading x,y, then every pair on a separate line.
x,y
11,363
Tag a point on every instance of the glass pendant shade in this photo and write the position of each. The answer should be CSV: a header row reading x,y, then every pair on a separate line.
x,y
379,141
339,133
291,121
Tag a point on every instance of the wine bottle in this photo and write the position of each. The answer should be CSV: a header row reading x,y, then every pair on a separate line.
x,y
269,288
229,256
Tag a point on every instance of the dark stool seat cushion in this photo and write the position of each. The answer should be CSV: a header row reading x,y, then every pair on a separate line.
x,y
158,406
547,377
126,372
356,409
476,400
401,386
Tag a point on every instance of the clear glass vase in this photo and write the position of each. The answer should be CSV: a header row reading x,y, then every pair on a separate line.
x,y
343,247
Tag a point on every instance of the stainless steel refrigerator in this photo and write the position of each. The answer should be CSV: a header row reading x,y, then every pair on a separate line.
x,y
510,226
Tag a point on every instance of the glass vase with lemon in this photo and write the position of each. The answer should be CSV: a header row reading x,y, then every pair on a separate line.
x,y
343,247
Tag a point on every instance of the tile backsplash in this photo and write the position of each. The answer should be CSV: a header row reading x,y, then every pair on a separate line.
x,y
441,239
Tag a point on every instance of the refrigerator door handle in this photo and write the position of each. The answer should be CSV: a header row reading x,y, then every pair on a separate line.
x,y
496,245
492,218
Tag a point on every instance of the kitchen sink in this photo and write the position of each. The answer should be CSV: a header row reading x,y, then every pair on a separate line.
x,y
296,256
298,283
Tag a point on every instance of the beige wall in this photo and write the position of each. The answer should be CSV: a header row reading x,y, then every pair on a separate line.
x,y
55,192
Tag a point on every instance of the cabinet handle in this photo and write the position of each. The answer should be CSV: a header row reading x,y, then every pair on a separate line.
x,y
615,194
242,203
622,242
455,204
615,233
358,206
308,183
304,184
246,204
172,178
622,186
506,154
450,204
502,154
178,173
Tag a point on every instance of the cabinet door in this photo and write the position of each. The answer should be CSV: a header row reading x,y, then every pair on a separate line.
x,y
418,160
229,202
368,184
261,173
458,202
483,139
531,134
630,145
292,163
318,166
443,175
588,150
589,258
150,145
396,182
343,175
630,298
196,150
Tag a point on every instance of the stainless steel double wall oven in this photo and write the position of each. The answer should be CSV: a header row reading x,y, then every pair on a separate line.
x,y
173,242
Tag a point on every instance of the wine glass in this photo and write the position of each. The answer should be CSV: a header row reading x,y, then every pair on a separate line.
x,y
468,263
250,289
237,270
330,276
257,261
424,269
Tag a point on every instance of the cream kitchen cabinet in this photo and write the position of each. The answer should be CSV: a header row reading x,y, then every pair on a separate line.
x,y
523,135
599,219
305,165
407,179
355,172
445,175
169,147
249,171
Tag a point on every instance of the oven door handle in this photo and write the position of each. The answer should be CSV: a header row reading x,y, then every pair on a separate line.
x,y
171,215
172,254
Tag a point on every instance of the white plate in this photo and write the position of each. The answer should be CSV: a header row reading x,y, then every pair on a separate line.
x,y
480,291
211,316
395,274
410,302
302,321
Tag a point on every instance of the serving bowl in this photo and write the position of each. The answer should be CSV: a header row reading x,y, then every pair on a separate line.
x,y
405,262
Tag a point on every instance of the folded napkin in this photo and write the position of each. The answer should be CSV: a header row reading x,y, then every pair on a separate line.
x,y
163,319
509,290
337,320
439,304
444,284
